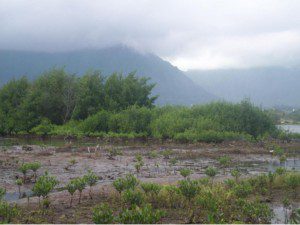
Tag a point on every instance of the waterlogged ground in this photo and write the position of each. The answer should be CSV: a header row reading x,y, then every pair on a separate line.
x,y
56,155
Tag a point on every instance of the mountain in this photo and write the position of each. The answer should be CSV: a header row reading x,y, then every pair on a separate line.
x,y
172,85
266,86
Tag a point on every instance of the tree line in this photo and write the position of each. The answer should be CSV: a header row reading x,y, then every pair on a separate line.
x,y
60,96
60,103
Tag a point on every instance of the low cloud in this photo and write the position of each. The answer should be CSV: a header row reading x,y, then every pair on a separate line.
x,y
192,34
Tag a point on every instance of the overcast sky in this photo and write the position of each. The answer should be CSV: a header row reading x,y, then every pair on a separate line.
x,y
191,34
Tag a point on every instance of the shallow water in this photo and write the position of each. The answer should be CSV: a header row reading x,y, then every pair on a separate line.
x,y
14,196
56,142
294,128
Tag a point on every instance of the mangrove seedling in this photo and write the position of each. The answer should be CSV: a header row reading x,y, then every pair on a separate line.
x,y
102,214
119,185
236,174
152,154
185,172
19,182
189,189
225,162
24,169
211,172
286,206
293,181
7,212
2,193
151,189
138,166
80,183
133,197
140,215
113,152
44,185
280,170
71,187
91,179
34,167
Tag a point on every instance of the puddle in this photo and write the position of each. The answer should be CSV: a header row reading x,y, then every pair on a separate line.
x,y
14,196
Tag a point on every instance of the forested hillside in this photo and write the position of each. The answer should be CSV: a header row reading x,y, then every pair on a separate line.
x,y
172,85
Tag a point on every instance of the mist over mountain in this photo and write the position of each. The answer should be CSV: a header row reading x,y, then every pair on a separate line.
x,y
266,86
172,85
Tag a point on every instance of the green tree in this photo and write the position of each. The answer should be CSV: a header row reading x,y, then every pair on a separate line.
x,y
123,91
53,96
90,98
12,97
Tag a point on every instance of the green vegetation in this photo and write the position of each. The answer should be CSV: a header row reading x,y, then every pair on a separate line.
x,y
140,215
196,201
185,172
44,185
58,103
102,214
91,179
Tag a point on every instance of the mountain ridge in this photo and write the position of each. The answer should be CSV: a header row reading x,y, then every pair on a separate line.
x,y
172,85
267,86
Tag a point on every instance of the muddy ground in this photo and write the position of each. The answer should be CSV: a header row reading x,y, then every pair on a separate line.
x,y
251,158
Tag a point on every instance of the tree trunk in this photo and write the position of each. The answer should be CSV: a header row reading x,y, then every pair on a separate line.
x,y
90,192
79,197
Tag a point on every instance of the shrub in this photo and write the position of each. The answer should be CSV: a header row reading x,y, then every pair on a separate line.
x,y
204,181
278,151
34,167
255,212
173,161
2,193
225,162
130,181
185,172
96,123
44,128
211,172
24,169
235,173
152,154
119,185
188,189
171,196
80,184
242,189
167,153
229,183
151,189
292,180
102,214
7,212
113,152
44,185
133,197
143,215
280,170
138,166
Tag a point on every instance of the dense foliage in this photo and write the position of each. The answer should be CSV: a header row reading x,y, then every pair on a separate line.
x,y
58,103
58,97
